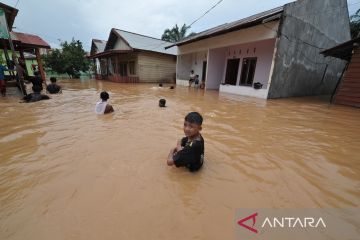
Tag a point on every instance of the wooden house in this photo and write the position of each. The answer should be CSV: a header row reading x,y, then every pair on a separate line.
x,y
134,58
347,91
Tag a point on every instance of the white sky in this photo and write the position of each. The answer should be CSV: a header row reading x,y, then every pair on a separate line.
x,y
57,20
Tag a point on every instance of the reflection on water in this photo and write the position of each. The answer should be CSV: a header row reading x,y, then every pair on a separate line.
x,y
66,173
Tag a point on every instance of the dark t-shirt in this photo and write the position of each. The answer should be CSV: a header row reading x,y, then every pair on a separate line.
x,y
192,154
34,97
37,81
53,88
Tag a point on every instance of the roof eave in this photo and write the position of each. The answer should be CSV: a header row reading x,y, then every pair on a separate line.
x,y
342,51
108,53
273,17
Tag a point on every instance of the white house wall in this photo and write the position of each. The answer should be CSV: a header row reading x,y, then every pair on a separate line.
x,y
188,62
216,68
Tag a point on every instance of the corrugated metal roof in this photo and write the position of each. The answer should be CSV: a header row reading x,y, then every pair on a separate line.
x,y
233,26
100,44
26,39
343,50
141,42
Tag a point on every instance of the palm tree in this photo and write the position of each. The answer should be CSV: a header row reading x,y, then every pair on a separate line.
x,y
176,34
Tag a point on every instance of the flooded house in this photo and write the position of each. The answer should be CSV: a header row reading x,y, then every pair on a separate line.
x,y
273,54
98,46
347,91
21,45
128,57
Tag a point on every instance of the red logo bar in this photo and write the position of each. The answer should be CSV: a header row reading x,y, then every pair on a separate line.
x,y
253,217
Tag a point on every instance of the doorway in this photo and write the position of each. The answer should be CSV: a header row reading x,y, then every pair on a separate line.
x,y
232,70
203,76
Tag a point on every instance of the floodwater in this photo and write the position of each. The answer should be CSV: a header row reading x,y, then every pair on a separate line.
x,y
66,173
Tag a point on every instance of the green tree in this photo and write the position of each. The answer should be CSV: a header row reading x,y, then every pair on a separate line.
x,y
70,59
355,24
176,34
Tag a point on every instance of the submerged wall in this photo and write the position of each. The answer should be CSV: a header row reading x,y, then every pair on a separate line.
x,y
308,27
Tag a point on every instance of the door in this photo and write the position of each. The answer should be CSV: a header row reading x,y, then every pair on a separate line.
x,y
232,70
204,71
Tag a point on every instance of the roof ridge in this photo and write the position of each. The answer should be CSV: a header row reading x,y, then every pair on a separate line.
x,y
94,39
140,34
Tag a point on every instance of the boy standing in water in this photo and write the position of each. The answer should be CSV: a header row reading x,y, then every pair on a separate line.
x,y
189,151
53,88
102,107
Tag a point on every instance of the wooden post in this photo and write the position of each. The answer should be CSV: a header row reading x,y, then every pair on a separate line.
x,y
41,69
23,57
116,70
95,67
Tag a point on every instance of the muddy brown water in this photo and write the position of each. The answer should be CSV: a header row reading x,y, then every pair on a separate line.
x,y
66,173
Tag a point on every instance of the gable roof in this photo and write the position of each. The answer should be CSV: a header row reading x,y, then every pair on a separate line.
x,y
10,14
343,50
251,21
26,40
139,42
97,46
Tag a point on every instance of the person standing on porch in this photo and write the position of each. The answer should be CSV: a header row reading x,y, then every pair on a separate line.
x,y
192,77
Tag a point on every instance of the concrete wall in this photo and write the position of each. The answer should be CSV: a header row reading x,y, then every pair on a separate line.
x,y
299,67
215,68
188,62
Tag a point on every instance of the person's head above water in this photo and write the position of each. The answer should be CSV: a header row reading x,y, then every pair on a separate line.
x,y
162,103
192,124
104,96
53,79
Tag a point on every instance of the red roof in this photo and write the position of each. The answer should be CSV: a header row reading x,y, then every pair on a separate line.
x,y
29,40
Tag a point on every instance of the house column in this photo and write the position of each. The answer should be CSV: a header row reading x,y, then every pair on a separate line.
x,y
22,57
41,69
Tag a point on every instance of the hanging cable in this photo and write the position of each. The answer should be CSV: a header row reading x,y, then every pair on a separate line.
x,y
205,13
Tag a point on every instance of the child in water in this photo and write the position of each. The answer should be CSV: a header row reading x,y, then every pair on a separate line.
x,y
189,151
102,107
36,95
53,88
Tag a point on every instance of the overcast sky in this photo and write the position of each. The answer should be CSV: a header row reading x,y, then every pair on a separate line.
x,y
57,20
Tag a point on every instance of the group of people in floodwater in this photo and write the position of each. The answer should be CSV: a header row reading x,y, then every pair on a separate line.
x,y
188,151
37,82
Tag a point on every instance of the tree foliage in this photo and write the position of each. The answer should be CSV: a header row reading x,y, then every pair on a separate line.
x,y
70,59
176,34
355,24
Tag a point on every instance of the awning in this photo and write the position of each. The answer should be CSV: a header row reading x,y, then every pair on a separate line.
x,y
342,51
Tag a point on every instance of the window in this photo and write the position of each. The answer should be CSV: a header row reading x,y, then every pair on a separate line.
x,y
248,71
232,71
132,68
123,69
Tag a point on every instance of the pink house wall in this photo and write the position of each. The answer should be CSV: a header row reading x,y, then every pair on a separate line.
x,y
262,50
